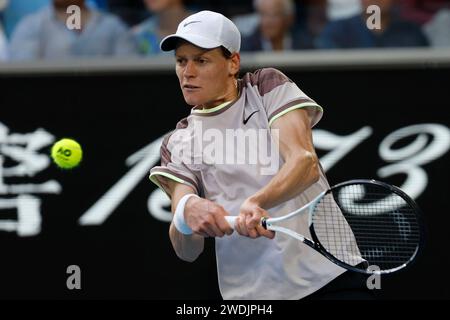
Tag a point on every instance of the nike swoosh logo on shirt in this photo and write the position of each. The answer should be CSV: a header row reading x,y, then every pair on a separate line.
x,y
246,120
188,23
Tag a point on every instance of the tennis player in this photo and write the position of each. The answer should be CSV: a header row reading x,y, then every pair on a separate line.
x,y
253,263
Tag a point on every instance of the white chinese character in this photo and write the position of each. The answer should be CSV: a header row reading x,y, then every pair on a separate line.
x,y
23,151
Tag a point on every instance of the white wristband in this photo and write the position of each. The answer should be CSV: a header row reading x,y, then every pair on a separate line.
x,y
178,218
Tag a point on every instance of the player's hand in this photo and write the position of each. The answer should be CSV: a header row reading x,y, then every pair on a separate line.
x,y
206,218
248,222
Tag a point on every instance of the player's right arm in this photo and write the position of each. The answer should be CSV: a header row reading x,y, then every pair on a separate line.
x,y
204,217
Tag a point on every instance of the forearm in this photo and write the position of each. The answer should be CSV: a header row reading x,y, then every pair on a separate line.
x,y
301,167
298,173
187,247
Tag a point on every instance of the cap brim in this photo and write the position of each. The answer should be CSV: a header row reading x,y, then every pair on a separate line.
x,y
170,42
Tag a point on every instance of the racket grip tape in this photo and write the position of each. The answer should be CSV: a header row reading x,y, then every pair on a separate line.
x,y
232,221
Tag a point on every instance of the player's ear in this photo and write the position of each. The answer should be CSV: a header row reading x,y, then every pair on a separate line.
x,y
235,64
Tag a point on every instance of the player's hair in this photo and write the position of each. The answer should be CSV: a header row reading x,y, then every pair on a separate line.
x,y
227,54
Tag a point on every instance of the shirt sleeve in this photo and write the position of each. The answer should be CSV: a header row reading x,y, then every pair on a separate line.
x,y
280,95
172,168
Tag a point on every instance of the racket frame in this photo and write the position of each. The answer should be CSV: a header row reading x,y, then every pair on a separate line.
x,y
270,224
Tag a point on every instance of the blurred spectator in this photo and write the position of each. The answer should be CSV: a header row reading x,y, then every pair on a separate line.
x,y
354,33
3,43
167,14
277,30
45,35
3,46
342,9
246,23
132,12
18,9
420,11
438,29
315,21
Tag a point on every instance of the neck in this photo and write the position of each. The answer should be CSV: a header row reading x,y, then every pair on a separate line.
x,y
231,94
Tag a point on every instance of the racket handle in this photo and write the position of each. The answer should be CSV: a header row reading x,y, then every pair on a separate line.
x,y
231,220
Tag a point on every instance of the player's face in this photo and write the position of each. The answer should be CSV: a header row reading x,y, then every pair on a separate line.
x,y
206,76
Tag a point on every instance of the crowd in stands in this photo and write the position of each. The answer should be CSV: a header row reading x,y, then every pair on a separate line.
x,y
38,29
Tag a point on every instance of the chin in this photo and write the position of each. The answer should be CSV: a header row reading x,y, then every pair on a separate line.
x,y
192,101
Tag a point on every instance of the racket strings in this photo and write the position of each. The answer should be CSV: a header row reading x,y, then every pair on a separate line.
x,y
332,231
369,223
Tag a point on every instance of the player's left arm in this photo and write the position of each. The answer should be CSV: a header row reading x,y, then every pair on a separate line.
x,y
299,172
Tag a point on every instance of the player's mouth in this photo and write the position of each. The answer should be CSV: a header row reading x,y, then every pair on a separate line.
x,y
190,88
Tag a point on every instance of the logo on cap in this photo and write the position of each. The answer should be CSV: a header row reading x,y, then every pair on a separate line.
x,y
188,23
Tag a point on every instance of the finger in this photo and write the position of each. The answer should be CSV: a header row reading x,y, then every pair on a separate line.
x,y
215,229
210,224
223,225
208,232
255,219
242,227
208,227
203,234
265,233
270,234
252,233
252,221
237,227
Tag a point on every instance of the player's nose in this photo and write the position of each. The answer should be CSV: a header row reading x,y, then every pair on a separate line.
x,y
189,70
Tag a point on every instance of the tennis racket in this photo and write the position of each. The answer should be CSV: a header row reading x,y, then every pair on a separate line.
x,y
362,225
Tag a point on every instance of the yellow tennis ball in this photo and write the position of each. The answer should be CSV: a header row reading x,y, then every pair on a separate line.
x,y
67,153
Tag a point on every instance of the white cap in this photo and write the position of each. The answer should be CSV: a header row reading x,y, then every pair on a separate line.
x,y
205,29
